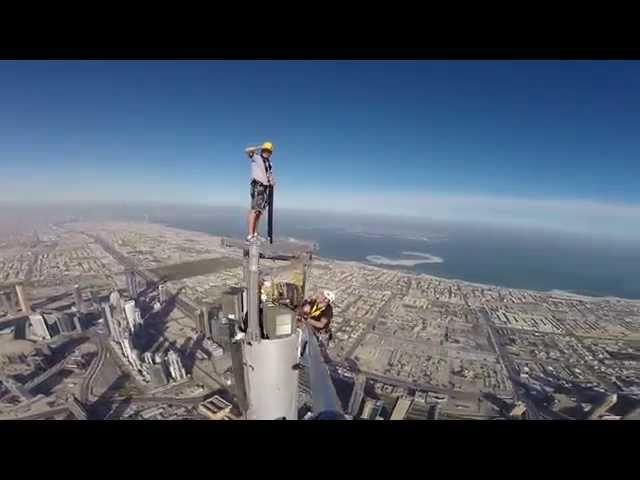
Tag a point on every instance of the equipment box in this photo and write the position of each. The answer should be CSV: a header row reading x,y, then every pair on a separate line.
x,y
278,321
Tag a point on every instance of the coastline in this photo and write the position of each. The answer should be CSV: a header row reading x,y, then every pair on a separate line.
x,y
550,292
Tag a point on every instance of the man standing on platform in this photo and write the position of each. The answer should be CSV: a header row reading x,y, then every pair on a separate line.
x,y
261,182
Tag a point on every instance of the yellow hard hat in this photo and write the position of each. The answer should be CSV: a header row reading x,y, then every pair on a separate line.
x,y
267,146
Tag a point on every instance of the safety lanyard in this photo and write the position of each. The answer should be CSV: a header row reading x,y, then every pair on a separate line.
x,y
267,164
316,310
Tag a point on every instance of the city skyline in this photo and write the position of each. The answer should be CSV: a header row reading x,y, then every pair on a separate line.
x,y
450,240
108,339
528,143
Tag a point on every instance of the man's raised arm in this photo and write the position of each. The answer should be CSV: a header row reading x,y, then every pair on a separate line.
x,y
250,151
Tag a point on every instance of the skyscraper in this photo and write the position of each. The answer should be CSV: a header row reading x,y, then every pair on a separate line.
x,y
376,414
112,328
202,324
138,318
130,314
157,375
162,293
25,306
114,298
130,352
175,366
116,304
77,296
518,409
52,323
38,326
76,321
66,323
401,408
4,304
356,395
372,409
132,283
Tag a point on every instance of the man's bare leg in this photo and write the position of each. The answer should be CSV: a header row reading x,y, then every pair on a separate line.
x,y
251,222
254,216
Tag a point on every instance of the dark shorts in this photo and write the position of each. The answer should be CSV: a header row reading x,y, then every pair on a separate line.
x,y
259,196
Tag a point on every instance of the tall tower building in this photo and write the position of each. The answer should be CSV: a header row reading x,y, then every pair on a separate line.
x,y
132,283
4,302
137,318
357,394
130,314
367,410
148,358
157,375
77,296
130,352
372,409
25,306
76,321
39,327
163,293
114,298
401,408
175,366
52,323
66,323
10,296
377,410
112,328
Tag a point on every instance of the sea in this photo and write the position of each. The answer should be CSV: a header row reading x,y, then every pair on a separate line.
x,y
508,257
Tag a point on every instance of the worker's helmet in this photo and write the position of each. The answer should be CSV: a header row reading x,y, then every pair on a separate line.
x,y
267,146
329,295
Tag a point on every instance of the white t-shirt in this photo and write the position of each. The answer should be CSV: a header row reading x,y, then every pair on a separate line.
x,y
259,168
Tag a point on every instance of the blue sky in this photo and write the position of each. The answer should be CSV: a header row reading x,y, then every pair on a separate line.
x,y
554,144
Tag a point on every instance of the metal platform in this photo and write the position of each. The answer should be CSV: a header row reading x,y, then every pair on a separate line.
x,y
278,250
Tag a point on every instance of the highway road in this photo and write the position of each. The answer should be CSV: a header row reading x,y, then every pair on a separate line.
x,y
15,388
45,414
171,400
183,304
86,389
510,368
